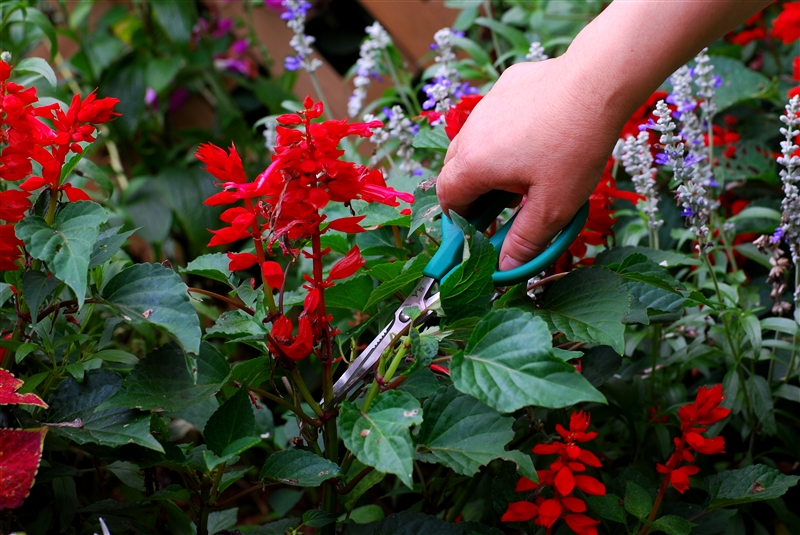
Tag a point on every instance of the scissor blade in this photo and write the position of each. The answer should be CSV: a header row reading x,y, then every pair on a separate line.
x,y
362,365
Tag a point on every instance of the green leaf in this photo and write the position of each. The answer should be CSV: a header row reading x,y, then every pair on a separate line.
x,y
513,35
212,266
230,453
599,364
162,71
113,427
299,468
379,215
161,381
88,169
381,437
314,518
745,485
107,245
36,17
352,294
156,295
739,83
761,401
588,306
128,473
637,267
467,290
421,384
608,507
667,259
176,19
637,501
786,391
672,525
36,288
115,355
425,207
752,329
423,349
236,324
431,138
507,364
67,246
38,66
234,420
464,434
411,271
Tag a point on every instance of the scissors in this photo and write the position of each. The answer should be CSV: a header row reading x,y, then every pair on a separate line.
x,y
444,262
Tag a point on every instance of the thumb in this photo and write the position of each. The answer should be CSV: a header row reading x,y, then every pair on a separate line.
x,y
534,227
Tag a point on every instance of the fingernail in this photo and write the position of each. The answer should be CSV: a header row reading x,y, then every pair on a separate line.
x,y
509,263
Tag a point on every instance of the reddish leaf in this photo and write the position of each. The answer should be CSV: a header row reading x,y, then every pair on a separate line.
x,y
8,392
20,453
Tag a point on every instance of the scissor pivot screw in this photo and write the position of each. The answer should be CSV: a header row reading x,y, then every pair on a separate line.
x,y
404,317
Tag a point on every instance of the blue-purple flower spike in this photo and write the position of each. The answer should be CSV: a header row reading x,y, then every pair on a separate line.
x,y
295,17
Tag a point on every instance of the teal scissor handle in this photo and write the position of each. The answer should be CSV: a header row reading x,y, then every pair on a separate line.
x,y
487,208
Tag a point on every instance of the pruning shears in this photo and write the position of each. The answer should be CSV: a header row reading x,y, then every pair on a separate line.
x,y
447,258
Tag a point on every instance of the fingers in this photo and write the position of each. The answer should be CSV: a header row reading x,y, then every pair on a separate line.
x,y
458,185
534,227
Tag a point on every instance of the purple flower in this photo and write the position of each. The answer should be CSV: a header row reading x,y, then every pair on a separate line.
x,y
292,63
433,46
417,172
240,47
777,236
687,212
223,27
275,5
151,97
415,129
649,125
178,98
387,112
662,158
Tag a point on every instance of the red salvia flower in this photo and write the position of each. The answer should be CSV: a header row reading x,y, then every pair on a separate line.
x,y
283,206
694,418
457,115
563,480
787,26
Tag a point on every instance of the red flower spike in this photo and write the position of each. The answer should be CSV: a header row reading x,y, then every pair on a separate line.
x,y
582,524
348,265
590,485
20,453
295,347
75,194
239,261
548,449
8,392
350,225
565,481
13,205
549,512
576,505
225,167
457,115
289,119
520,512
273,274
524,484
679,478
9,248
787,26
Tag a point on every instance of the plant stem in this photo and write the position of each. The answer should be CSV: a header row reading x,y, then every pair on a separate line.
x,y
256,232
463,499
321,95
283,403
232,302
393,73
487,7
301,386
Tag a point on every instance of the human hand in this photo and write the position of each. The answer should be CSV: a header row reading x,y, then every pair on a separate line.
x,y
539,132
